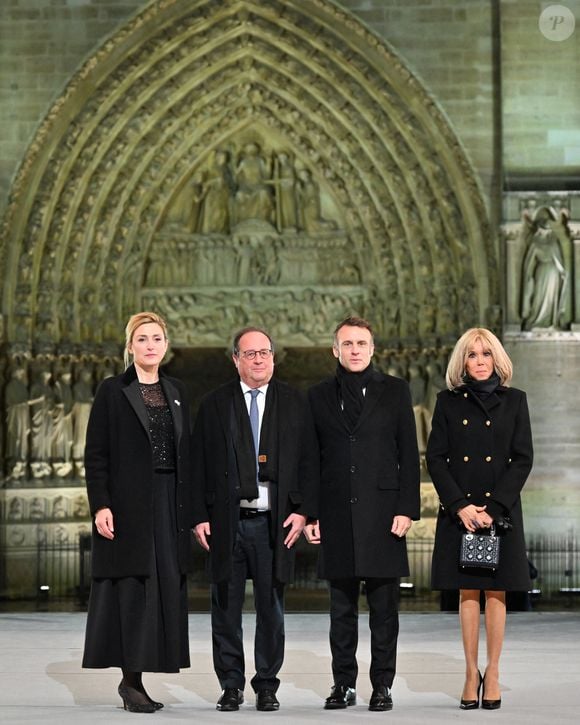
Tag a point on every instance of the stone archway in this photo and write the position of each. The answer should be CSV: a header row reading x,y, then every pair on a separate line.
x,y
120,149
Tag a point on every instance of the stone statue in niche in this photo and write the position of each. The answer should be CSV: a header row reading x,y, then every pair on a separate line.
x,y
544,276
62,425
253,198
41,411
308,196
214,212
418,386
17,423
198,191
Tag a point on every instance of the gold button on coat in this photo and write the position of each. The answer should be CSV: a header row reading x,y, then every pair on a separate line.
x,y
465,395
487,494
465,421
488,422
466,458
488,458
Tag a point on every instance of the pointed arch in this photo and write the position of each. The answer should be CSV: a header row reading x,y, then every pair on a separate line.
x,y
173,86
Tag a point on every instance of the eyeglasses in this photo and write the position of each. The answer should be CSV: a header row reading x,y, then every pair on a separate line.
x,y
251,354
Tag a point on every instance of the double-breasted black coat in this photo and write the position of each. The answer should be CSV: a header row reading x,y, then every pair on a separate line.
x,y
368,476
216,484
480,452
119,474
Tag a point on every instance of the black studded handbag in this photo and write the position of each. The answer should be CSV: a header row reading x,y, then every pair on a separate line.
x,y
479,549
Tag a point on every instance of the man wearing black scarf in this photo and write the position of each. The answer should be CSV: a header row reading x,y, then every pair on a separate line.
x,y
255,484
369,496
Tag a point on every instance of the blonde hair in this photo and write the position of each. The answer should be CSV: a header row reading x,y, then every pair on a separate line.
x,y
456,368
135,321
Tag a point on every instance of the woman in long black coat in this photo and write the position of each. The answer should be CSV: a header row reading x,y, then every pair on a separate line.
x,y
138,477
479,455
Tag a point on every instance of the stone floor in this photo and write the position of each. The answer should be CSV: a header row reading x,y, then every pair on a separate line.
x,y
42,680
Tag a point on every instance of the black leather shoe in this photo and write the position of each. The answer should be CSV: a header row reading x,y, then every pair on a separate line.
x,y
381,699
230,700
267,701
340,697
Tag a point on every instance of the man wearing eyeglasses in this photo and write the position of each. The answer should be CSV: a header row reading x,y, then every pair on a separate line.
x,y
255,485
369,496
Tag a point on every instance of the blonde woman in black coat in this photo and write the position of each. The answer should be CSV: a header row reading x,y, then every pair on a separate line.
x,y
479,456
138,482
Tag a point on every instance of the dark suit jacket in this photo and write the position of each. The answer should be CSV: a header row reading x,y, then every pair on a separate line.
x,y
215,474
119,474
367,476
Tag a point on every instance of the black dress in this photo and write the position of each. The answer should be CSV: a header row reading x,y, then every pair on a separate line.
x,y
140,623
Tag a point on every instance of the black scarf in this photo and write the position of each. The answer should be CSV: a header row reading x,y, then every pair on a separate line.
x,y
482,388
243,441
350,392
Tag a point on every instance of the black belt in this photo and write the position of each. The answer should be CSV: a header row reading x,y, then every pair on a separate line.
x,y
246,513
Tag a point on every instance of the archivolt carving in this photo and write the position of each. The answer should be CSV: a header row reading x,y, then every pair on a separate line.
x,y
92,206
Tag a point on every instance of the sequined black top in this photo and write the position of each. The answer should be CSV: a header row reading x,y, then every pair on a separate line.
x,y
160,426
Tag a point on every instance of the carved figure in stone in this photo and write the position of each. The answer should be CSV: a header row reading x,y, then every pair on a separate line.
x,y
41,412
269,268
36,511
418,386
59,508
245,253
253,199
217,189
17,423
80,507
285,181
544,277
309,210
435,383
198,192
15,509
62,426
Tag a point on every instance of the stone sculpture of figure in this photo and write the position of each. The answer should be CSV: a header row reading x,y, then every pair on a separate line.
x,y
309,211
285,181
17,423
245,253
418,387
197,194
41,411
253,179
435,383
215,207
544,277
83,400
62,425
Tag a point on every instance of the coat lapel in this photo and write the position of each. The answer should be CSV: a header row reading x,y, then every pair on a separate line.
x,y
331,400
135,398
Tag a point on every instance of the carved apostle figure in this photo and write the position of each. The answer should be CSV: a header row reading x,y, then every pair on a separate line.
x,y
62,425
41,410
17,423
83,400
285,181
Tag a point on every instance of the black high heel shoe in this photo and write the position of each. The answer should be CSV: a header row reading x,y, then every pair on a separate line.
x,y
156,705
132,705
489,704
472,704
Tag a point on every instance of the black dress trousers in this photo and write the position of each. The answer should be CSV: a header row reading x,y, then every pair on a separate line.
x,y
253,558
383,600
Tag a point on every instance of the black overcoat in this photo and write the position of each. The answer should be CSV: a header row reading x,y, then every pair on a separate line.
x,y
480,452
367,477
119,474
216,486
